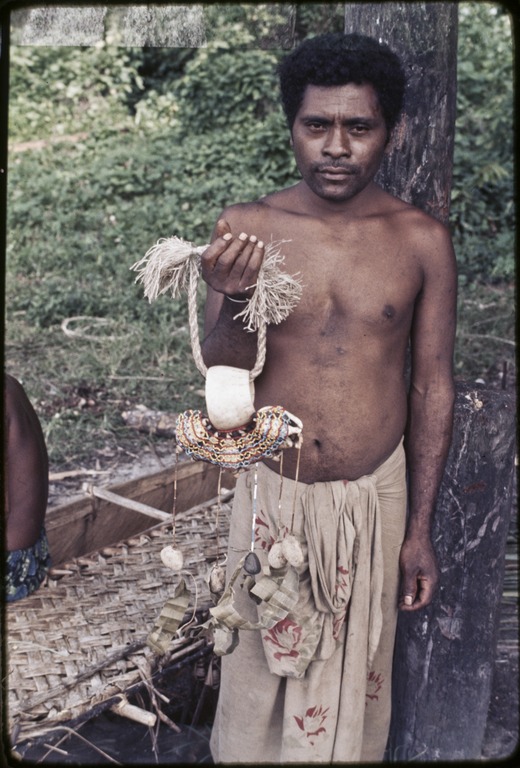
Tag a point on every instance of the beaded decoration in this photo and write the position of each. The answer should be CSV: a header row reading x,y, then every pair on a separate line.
x,y
272,428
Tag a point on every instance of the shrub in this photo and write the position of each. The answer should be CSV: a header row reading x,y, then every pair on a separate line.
x,y
483,216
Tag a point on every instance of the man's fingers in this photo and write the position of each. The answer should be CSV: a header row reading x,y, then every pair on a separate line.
x,y
230,264
251,269
222,228
223,252
412,599
407,598
242,269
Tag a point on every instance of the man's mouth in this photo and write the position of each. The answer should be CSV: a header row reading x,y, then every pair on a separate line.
x,y
335,171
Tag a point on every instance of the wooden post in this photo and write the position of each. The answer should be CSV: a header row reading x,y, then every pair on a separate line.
x,y
445,654
418,164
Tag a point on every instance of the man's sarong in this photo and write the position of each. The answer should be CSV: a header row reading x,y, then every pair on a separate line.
x,y
26,568
316,686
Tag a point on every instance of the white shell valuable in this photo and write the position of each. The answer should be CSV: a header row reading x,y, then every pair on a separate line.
x,y
217,580
172,558
275,556
292,551
229,396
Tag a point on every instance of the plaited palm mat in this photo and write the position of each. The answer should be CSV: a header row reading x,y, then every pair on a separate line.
x,y
80,639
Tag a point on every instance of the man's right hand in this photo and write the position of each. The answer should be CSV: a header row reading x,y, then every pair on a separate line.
x,y
230,265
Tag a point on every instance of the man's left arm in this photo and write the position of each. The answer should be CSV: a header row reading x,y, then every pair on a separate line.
x,y
430,414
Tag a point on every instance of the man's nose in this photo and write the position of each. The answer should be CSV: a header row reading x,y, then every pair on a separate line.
x,y
337,143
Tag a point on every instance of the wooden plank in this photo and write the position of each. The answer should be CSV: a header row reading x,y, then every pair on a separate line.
x,y
88,524
122,501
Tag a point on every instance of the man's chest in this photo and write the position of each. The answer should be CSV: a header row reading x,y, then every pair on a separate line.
x,y
371,286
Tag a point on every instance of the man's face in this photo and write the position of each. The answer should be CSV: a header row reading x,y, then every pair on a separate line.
x,y
339,137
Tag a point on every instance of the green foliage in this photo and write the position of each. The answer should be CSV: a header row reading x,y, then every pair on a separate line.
x,y
224,87
483,216
250,25
318,17
55,91
485,346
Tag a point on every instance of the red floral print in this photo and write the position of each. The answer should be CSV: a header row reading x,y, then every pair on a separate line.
x,y
263,535
285,635
341,581
374,684
312,722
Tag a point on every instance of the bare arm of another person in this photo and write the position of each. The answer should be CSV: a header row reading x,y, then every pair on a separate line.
x,y
430,412
26,462
230,267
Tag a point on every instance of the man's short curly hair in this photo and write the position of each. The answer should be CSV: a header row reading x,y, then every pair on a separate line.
x,y
338,59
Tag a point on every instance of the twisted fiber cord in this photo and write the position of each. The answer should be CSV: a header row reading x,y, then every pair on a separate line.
x,y
194,333
193,322
260,352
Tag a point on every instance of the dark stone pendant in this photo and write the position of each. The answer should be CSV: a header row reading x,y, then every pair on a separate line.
x,y
252,564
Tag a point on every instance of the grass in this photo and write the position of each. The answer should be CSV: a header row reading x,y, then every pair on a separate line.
x,y
80,387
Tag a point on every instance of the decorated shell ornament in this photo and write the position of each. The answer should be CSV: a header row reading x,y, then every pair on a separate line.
x,y
232,435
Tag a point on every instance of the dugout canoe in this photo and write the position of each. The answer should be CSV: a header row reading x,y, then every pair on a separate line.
x,y
105,516
78,645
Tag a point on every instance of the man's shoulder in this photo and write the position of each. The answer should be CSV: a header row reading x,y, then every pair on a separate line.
x,y
414,220
254,213
239,210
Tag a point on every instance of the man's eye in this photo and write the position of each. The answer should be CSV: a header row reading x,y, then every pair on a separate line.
x,y
316,126
359,128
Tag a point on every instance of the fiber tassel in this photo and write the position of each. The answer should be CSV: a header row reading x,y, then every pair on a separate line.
x,y
172,263
168,266
276,293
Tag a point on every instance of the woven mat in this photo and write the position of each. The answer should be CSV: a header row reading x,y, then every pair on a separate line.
x,y
80,639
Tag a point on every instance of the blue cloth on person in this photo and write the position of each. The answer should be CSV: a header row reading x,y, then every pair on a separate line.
x,y
27,568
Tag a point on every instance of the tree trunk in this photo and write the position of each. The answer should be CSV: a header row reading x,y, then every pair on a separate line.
x,y
445,654
418,164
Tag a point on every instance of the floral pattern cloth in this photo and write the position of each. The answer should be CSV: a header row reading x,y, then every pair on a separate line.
x,y
315,687
342,542
26,569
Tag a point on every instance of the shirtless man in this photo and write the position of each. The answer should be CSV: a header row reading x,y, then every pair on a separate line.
x,y
26,490
376,273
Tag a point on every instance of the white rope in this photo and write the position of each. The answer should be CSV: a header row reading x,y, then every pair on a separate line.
x,y
193,323
173,264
